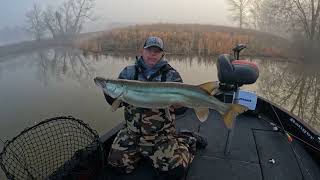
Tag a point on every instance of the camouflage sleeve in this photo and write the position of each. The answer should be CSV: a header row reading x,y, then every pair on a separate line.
x,y
174,76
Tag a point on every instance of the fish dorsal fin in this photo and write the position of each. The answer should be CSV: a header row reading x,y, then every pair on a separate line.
x,y
210,87
202,113
115,105
234,111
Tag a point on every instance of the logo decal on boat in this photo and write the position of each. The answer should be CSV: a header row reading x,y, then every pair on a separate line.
x,y
248,100
306,132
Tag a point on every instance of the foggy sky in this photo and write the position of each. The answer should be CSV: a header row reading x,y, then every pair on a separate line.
x,y
12,12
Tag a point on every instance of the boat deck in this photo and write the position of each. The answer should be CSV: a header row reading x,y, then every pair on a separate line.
x,y
254,144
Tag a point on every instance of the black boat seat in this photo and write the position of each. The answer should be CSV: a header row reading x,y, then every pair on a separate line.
x,y
236,72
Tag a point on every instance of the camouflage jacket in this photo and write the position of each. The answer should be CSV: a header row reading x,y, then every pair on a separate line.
x,y
149,123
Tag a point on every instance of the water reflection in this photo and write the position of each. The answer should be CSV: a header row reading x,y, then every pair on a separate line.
x,y
61,63
189,60
294,86
58,82
54,82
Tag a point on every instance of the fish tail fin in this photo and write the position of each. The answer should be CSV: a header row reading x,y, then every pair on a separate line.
x,y
232,113
202,113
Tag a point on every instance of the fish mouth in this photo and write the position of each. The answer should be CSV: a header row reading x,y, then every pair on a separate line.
x,y
99,81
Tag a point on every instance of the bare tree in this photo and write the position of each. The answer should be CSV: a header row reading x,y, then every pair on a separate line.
x,y
71,16
294,87
239,10
271,17
254,13
66,21
294,15
49,21
82,11
35,22
306,14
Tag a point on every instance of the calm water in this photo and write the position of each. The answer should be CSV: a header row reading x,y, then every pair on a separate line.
x,y
40,85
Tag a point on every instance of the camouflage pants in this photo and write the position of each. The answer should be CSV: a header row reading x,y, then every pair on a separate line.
x,y
165,152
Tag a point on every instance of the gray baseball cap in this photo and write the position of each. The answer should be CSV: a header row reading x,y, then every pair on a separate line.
x,y
153,41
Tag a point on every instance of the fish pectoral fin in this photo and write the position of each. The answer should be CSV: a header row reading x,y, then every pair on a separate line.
x,y
210,87
233,112
115,105
202,113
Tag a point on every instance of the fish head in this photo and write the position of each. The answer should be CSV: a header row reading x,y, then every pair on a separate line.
x,y
99,81
113,88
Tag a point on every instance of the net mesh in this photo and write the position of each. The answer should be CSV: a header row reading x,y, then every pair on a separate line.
x,y
53,149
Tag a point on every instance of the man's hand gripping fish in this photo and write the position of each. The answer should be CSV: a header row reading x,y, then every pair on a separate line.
x,y
162,95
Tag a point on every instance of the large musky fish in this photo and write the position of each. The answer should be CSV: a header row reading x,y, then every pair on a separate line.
x,y
162,95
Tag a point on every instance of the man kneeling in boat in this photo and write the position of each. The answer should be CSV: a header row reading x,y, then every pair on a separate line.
x,y
150,133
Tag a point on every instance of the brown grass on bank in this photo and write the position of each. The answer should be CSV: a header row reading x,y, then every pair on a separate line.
x,y
188,39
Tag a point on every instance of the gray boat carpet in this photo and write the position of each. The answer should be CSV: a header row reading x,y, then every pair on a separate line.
x,y
207,168
254,143
276,158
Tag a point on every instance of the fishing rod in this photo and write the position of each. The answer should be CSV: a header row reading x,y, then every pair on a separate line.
x,y
296,137
291,146
295,153
290,133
